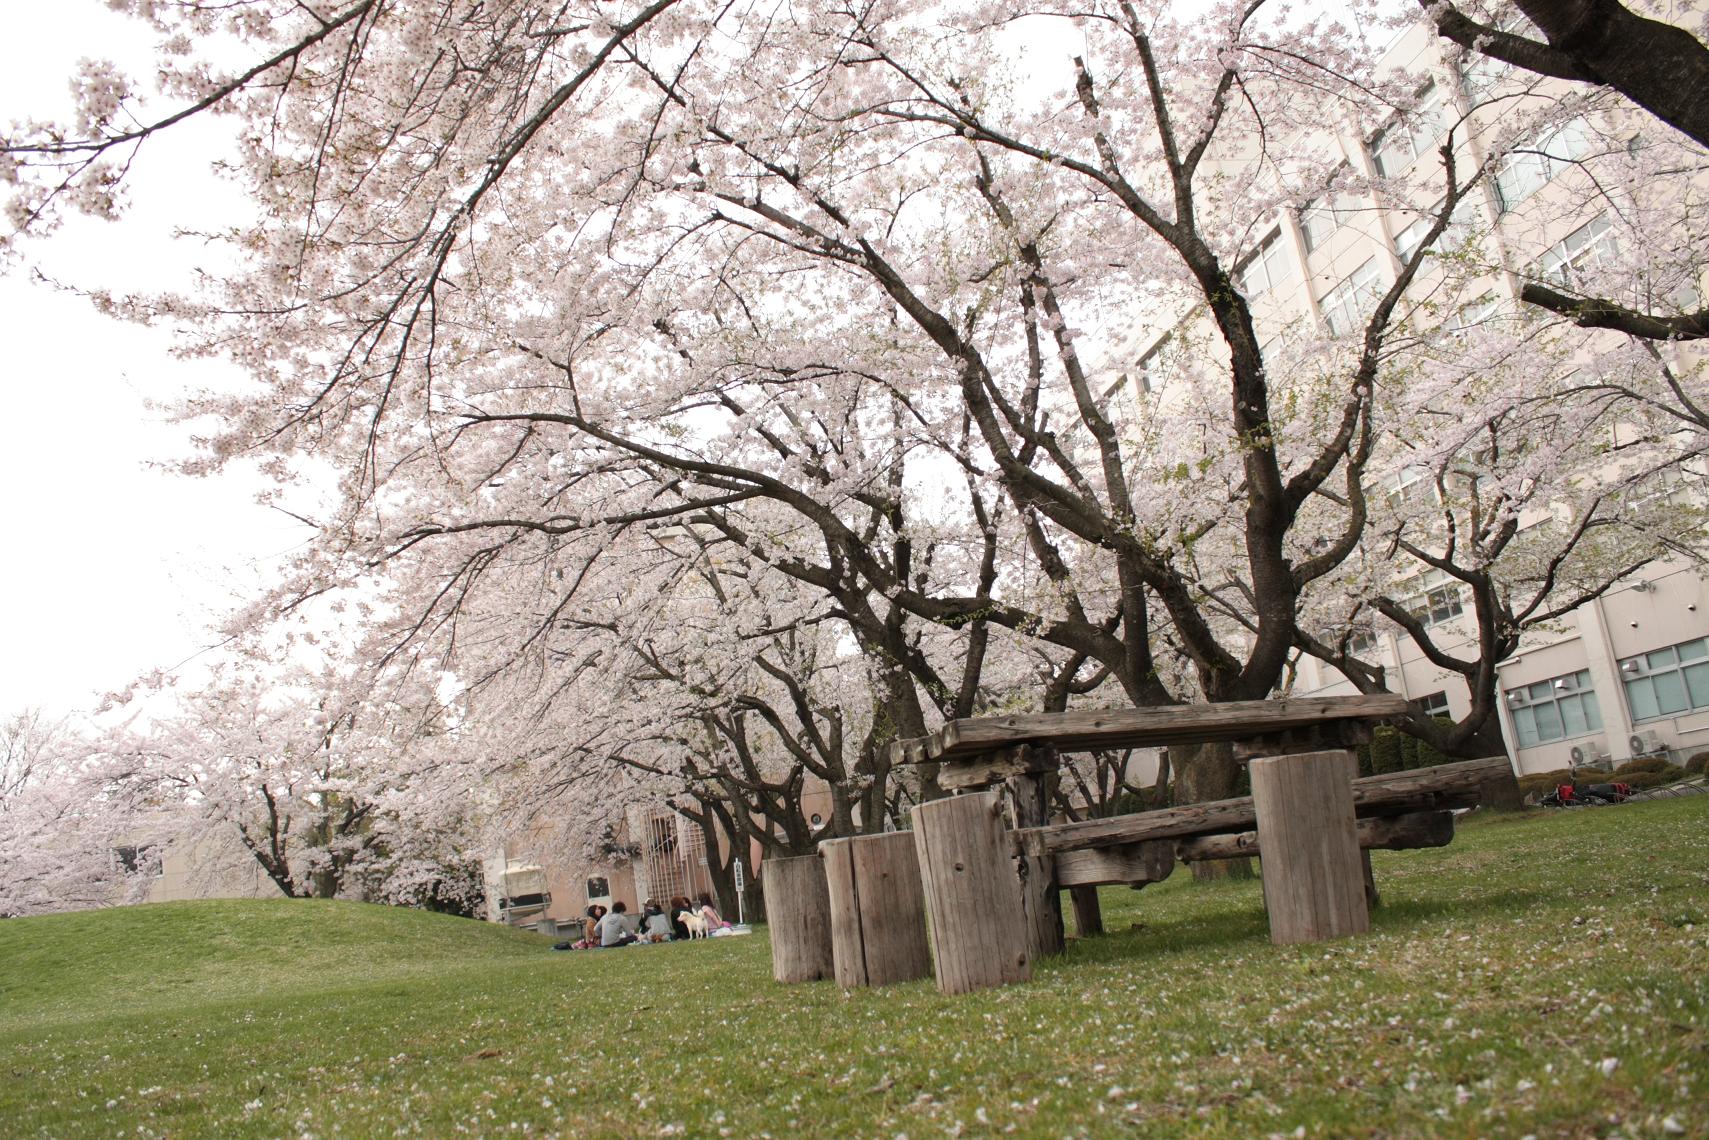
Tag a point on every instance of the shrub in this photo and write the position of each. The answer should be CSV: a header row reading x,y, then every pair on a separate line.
x,y
1642,764
1386,750
1428,757
1670,774
1697,765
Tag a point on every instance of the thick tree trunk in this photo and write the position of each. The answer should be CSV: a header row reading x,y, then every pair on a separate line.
x,y
1203,773
1662,68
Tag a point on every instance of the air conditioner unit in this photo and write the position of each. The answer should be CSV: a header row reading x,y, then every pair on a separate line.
x,y
1644,743
1591,753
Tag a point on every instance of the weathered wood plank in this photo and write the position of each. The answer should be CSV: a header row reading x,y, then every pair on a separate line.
x,y
878,916
1088,911
992,767
798,914
910,751
1423,789
1029,804
1314,887
1084,729
1387,833
973,895
1149,862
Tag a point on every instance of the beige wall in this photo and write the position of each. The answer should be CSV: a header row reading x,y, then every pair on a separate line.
x,y
217,866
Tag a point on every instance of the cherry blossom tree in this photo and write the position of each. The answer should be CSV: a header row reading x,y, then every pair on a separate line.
x,y
824,285
330,795
63,843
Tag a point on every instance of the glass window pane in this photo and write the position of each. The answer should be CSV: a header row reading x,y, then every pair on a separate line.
x,y
1641,695
1592,711
1549,725
1670,692
1525,723
1692,650
1661,658
1573,722
1697,684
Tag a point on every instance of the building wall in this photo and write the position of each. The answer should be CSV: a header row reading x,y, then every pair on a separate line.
x,y
217,866
1662,606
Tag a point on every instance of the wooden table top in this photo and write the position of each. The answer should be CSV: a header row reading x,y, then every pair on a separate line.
x,y
1090,730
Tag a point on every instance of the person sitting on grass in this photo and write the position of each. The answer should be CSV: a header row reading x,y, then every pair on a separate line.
x,y
679,907
590,928
714,921
655,927
614,927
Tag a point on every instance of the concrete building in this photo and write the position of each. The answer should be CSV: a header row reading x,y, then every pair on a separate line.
x,y
1626,674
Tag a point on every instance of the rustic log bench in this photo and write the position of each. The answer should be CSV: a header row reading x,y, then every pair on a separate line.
x,y
1308,818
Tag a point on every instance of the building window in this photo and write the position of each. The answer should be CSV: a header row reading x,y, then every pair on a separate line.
x,y
1455,234
1435,598
1555,709
131,860
1528,170
598,888
1323,215
1667,681
1264,270
1480,75
1590,245
1433,704
1398,145
1362,641
1472,314
1406,242
1346,306
1410,485
1148,372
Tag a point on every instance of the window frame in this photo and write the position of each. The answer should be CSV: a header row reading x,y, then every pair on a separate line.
x,y
1535,160
1575,690
1353,298
1562,263
1271,252
1692,673
1419,128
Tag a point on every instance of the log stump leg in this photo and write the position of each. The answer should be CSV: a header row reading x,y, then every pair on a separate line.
x,y
1088,912
798,913
878,921
973,894
1314,882
1041,901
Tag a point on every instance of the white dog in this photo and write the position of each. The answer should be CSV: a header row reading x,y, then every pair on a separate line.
x,y
696,924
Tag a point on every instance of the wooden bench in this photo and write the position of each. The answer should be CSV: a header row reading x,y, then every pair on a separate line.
x,y
983,857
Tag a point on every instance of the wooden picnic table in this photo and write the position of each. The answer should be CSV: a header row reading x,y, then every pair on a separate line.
x,y
1308,818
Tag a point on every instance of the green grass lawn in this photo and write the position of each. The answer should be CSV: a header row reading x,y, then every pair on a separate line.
x,y
1545,975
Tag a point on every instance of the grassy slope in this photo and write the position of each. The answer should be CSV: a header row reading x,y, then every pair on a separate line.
x,y
1542,976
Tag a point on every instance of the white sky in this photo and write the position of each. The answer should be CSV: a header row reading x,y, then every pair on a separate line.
x,y
111,568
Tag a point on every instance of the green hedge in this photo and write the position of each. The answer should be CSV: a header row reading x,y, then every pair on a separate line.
x,y
1391,750
1670,774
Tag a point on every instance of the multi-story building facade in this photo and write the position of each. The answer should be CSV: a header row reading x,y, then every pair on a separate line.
x,y
1624,674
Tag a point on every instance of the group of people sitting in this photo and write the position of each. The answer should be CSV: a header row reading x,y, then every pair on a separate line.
x,y
603,929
